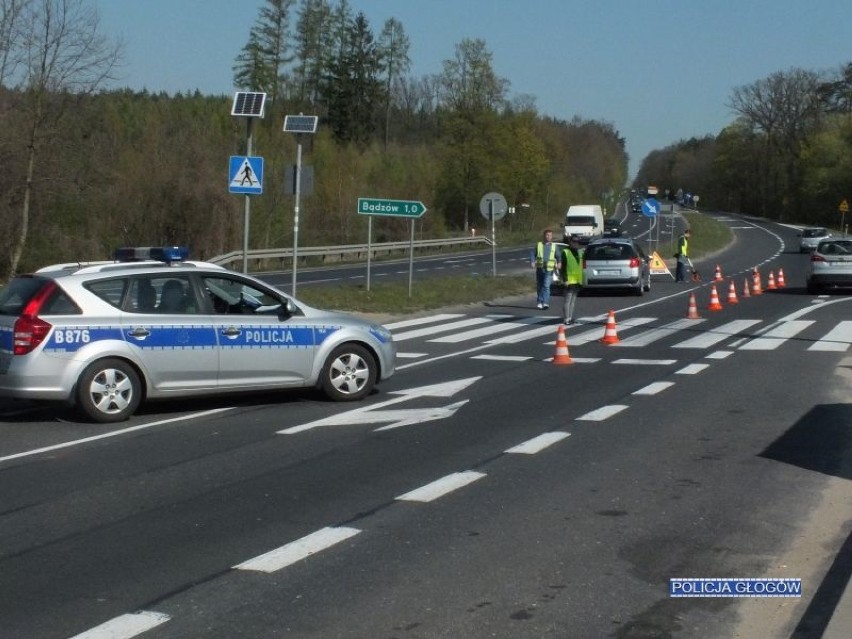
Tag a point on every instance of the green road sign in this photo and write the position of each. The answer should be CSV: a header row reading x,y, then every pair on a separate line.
x,y
394,208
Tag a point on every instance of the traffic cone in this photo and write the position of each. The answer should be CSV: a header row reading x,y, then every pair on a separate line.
x,y
770,284
718,277
610,334
756,287
692,313
732,294
562,356
715,304
781,282
745,289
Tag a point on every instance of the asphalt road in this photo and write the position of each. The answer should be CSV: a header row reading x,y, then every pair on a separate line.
x,y
483,491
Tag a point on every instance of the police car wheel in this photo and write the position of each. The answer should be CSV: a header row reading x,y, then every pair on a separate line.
x,y
108,391
349,373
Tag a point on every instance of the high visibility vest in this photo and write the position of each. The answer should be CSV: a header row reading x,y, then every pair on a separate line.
x,y
572,267
683,244
550,262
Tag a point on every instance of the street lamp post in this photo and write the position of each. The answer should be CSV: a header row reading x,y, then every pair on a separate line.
x,y
298,124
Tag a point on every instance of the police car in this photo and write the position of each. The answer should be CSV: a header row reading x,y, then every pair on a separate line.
x,y
151,324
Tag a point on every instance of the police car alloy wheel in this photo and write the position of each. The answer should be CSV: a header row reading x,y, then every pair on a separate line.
x,y
109,391
349,373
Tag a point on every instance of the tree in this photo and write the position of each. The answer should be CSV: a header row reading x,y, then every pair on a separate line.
x,y
62,57
262,62
784,108
313,48
393,47
471,93
353,91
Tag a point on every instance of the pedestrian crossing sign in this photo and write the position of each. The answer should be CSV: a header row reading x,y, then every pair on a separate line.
x,y
246,175
658,265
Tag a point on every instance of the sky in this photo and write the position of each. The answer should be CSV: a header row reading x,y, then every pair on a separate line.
x,y
659,71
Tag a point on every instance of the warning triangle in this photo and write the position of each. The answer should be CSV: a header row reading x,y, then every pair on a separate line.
x,y
658,266
245,176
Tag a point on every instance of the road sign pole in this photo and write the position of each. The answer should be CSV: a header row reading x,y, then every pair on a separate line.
x,y
369,247
493,239
247,214
411,258
296,213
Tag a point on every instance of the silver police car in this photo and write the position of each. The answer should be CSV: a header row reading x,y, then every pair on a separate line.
x,y
106,335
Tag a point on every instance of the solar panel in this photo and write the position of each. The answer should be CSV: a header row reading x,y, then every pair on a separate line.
x,y
300,123
248,104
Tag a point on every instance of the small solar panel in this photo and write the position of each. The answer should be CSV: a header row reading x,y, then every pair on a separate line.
x,y
300,123
248,104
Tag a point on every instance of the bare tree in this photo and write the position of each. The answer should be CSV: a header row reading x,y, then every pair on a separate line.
x,y
784,108
62,56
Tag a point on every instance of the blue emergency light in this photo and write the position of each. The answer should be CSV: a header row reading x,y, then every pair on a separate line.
x,y
167,254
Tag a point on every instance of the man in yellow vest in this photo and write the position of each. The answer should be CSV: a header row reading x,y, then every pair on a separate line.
x,y
545,260
682,256
572,276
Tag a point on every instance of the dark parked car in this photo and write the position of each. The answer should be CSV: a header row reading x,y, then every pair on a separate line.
x,y
612,228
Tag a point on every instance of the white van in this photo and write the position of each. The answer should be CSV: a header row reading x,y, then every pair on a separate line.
x,y
583,221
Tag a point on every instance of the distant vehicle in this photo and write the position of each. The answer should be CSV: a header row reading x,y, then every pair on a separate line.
x,y
830,265
107,335
612,228
616,263
811,237
583,221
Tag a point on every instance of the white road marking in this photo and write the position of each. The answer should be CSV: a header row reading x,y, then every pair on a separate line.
x,y
692,369
441,487
114,433
776,336
125,626
646,362
602,413
284,556
503,358
836,340
648,337
716,335
654,389
497,327
719,355
418,321
440,328
538,444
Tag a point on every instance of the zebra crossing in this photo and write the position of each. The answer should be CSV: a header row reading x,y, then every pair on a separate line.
x,y
634,332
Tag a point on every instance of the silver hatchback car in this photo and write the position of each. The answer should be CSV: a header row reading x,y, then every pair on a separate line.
x,y
616,263
830,265
108,335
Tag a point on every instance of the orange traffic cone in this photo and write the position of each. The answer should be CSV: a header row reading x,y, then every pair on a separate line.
x,y
745,289
732,294
770,284
718,277
692,313
781,282
562,356
756,287
715,304
610,334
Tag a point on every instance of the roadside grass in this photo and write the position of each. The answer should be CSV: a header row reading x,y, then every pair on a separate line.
x,y
432,293
708,236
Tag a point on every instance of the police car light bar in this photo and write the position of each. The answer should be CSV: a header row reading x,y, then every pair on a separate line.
x,y
167,254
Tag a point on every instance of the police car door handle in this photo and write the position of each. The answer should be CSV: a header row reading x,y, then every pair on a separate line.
x,y
139,332
231,331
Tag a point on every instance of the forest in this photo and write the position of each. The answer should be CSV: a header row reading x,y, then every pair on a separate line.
x,y
88,169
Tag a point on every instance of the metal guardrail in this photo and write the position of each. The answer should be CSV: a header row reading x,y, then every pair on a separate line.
x,y
349,252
